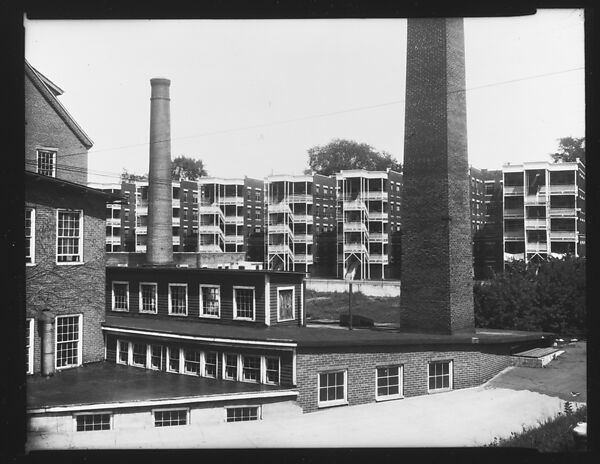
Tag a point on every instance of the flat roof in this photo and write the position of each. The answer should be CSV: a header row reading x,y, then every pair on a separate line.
x,y
200,270
311,337
103,383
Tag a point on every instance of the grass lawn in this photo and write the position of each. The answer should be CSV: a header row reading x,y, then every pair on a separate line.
x,y
330,305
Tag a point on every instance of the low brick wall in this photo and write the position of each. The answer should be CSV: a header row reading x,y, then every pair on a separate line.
x,y
385,288
472,366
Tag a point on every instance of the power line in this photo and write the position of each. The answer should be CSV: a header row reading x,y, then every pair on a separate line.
x,y
332,113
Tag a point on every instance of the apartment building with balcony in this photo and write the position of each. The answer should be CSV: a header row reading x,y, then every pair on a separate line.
x,y
300,221
544,210
367,214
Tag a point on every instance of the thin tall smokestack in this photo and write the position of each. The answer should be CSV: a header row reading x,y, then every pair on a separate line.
x,y
160,222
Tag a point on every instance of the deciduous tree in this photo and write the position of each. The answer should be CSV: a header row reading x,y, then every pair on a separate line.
x,y
569,149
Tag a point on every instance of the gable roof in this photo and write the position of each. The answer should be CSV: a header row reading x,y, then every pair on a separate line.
x,y
50,91
33,177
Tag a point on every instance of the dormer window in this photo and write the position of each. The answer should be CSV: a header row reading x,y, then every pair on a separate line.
x,y
46,162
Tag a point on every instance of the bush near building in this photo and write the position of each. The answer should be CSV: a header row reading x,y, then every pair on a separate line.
x,y
545,296
553,435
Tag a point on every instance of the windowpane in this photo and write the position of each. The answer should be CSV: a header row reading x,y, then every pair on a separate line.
x,y
170,418
210,301
123,352
178,299
210,364
286,304
439,375
272,370
242,414
191,362
120,296
388,381
92,422
139,354
331,386
251,368
148,292
29,346
174,359
156,357
231,366
244,301
67,341
29,235
68,237
46,162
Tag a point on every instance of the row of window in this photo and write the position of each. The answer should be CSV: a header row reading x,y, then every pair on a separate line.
x,y
89,422
191,361
244,301
69,236
333,386
67,348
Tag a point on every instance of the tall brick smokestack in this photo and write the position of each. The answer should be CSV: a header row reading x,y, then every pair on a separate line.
x,y
437,269
160,213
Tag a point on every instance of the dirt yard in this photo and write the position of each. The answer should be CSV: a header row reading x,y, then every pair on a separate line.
x,y
328,306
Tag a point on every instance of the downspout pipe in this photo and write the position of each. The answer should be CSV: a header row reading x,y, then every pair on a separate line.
x,y
47,335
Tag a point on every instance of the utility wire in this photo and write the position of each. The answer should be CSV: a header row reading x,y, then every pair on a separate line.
x,y
321,115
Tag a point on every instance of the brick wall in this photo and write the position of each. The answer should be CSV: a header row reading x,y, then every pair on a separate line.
x,y
45,129
471,367
67,289
437,273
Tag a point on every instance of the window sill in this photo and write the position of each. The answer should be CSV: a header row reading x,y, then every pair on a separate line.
x,y
118,310
209,316
148,312
389,398
30,264
332,404
438,390
178,315
78,263
286,320
247,319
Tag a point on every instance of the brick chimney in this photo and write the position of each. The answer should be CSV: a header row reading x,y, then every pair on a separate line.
x,y
437,269
160,207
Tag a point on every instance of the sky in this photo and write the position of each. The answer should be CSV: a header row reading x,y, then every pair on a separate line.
x,y
250,97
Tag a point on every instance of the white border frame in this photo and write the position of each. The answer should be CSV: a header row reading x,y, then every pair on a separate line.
x,y
141,306
326,404
293,289
235,316
186,299
69,263
118,358
188,417
149,357
54,151
121,282
182,352
32,239
450,373
130,357
238,373
79,343
203,364
261,365
238,406
95,413
201,309
167,365
30,323
264,370
400,393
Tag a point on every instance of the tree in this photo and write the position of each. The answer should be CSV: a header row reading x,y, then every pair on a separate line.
x,y
569,149
184,167
347,154
131,177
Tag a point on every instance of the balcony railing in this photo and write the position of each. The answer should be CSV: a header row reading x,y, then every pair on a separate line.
x,y
176,203
354,248
379,259
562,212
355,226
378,237
513,190
112,240
280,229
304,218
514,213
176,240
378,216
563,235
308,259
279,248
176,221
374,195
536,199
209,209
212,248
141,210
140,248
535,247
234,239
237,220
355,205
209,229
300,198
514,235
231,200
114,222
141,230
535,223
303,238
563,189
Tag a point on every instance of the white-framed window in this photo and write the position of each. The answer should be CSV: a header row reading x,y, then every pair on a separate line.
x,y
68,341
191,362
251,367
242,413
156,357
148,297
210,364
120,296
230,366
69,233
210,301
123,352
178,299
388,382
139,354
46,162
272,370
439,376
89,422
243,303
285,303
332,387
29,346
29,235
173,359
170,417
